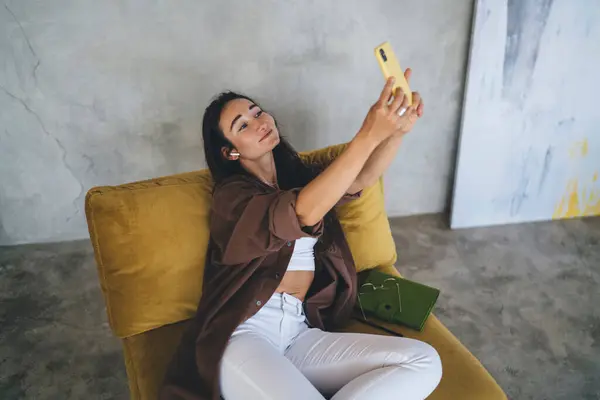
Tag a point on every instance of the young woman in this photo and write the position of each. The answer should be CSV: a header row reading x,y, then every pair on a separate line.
x,y
279,275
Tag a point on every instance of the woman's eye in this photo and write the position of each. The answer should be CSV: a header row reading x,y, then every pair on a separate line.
x,y
245,125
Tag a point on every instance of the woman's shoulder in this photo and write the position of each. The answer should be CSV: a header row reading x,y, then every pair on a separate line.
x,y
237,183
234,190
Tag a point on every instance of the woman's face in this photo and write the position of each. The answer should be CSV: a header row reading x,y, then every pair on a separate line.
x,y
251,131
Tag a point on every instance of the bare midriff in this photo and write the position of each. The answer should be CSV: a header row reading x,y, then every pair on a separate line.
x,y
296,283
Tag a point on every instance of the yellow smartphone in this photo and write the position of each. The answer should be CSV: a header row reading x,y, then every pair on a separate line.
x,y
391,67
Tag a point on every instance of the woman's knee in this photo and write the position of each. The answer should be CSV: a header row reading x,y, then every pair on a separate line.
x,y
433,361
420,356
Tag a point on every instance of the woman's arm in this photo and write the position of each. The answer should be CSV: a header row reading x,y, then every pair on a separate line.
x,y
377,164
323,192
382,156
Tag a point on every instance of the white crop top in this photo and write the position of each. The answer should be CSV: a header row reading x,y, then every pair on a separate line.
x,y
303,257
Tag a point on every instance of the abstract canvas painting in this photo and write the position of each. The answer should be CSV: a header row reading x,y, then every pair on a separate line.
x,y
530,134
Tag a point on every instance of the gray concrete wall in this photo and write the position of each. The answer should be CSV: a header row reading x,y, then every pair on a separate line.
x,y
105,92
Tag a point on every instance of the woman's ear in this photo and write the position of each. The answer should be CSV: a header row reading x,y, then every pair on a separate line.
x,y
230,154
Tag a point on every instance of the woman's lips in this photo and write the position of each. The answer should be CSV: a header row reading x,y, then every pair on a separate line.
x,y
264,137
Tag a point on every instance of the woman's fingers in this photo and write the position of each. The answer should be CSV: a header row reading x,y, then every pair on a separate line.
x,y
397,103
386,93
404,106
407,74
418,104
416,99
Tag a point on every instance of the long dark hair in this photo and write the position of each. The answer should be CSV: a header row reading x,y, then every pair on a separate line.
x,y
292,172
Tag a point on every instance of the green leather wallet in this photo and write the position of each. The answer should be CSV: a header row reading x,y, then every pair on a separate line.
x,y
394,299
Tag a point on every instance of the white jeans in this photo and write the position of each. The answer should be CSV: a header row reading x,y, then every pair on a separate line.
x,y
275,355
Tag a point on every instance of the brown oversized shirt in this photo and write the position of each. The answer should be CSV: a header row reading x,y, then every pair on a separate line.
x,y
253,230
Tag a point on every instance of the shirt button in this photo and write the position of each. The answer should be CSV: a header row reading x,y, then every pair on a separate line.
x,y
289,244
277,275
258,303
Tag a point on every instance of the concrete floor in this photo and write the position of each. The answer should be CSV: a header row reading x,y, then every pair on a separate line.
x,y
524,299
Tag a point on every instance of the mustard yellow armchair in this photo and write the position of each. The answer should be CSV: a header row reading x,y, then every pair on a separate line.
x,y
150,241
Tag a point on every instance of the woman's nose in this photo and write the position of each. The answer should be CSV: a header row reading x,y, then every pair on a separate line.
x,y
261,126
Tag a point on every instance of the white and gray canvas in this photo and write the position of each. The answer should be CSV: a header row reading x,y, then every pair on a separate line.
x,y
529,143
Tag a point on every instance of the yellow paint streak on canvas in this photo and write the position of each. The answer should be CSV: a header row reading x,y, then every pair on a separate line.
x,y
578,204
579,149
